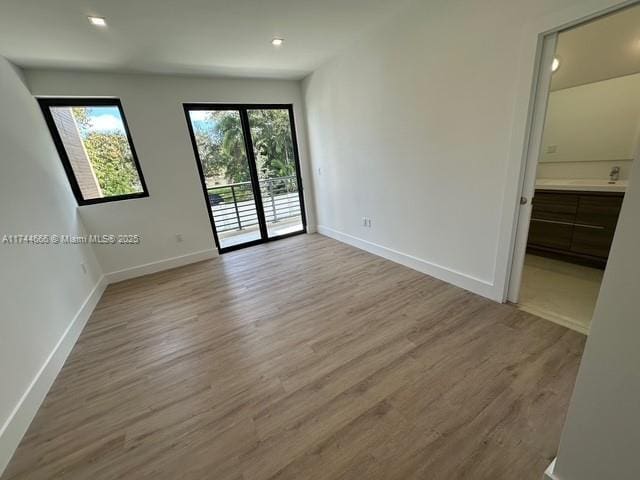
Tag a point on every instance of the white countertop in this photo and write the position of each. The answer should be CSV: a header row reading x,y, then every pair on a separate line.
x,y
592,185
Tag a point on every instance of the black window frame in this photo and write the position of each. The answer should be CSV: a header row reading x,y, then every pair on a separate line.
x,y
45,105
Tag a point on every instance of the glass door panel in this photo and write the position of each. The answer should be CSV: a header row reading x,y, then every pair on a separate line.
x,y
227,174
277,168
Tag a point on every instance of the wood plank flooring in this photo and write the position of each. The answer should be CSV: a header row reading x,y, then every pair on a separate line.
x,y
303,359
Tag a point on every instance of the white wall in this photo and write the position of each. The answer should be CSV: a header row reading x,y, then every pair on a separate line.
x,y
421,127
592,128
153,107
42,288
601,437
581,170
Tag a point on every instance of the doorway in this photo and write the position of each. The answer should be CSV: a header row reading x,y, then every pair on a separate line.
x,y
247,158
583,140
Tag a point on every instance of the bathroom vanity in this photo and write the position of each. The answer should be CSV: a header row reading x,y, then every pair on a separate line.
x,y
575,220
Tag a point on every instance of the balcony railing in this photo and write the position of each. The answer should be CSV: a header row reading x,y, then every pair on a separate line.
x,y
234,206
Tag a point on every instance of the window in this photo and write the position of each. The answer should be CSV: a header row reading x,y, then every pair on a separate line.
x,y
95,147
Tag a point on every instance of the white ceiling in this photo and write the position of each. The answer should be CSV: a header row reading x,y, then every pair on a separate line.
x,y
605,48
216,37
233,37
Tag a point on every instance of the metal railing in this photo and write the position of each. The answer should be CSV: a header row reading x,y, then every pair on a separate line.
x,y
234,207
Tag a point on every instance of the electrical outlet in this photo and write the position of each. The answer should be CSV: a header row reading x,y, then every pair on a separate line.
x,y
551,149
178,237
369,222
364,221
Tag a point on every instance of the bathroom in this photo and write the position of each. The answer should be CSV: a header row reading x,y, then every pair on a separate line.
x,y
590,138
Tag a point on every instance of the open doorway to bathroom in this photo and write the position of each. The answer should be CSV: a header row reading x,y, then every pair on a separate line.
x,y
588,133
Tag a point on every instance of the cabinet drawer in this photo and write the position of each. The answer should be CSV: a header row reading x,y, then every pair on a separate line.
x,y
550,233
598,211
555,206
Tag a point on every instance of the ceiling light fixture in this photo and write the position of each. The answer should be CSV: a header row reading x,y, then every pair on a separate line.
x,y
97,21
276,42
555,65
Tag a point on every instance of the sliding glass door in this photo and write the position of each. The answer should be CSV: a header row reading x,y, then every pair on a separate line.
x,y
248,162
275,157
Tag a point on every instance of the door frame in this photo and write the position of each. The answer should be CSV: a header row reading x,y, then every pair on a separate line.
x,y
538,103
532,158
242,109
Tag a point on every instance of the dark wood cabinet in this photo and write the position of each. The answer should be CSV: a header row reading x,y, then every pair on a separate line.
x,y
555,206
576,226
550,234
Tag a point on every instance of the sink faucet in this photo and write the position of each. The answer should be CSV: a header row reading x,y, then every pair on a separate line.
x,y
614,174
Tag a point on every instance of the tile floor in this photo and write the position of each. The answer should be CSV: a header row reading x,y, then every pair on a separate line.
x,y
559,291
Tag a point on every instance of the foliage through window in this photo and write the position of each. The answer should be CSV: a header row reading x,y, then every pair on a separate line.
x,y
97,152
220,142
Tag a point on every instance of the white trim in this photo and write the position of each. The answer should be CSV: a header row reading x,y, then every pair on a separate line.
x,y
548,473
160,265
18,422
532,157
459,279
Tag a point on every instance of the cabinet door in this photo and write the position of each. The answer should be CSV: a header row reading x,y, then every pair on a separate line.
x,y
550,233
595,225
592,241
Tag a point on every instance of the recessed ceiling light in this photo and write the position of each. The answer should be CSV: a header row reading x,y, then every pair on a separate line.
x,y
277,41
555,65
97,21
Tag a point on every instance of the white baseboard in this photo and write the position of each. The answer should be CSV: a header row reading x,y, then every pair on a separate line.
x,y
16,425
548,473
154,267
462,280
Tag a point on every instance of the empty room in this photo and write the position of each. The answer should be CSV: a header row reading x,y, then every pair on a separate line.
x,y
355,239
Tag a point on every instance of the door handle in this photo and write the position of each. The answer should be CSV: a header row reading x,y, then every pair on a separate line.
x,y
523,200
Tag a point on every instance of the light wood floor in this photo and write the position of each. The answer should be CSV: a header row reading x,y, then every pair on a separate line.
x,y
303,359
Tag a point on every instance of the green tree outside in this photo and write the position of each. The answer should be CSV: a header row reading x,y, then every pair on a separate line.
x,y
222,149
110,156
112,162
